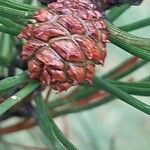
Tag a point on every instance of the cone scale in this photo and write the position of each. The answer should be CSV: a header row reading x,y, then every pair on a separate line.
x,y
66,41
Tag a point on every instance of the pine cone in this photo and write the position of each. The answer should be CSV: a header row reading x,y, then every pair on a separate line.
x,y
64,44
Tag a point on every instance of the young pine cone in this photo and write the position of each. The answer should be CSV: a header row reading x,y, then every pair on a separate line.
x,y
64,44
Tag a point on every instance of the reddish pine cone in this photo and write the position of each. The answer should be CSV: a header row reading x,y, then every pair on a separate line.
x,y
64,44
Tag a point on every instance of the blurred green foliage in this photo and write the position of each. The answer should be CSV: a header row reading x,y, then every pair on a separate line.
x,y
113,126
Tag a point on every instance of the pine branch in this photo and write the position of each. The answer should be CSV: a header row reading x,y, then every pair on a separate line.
x,y
11,12
49,127
136,51
18,97
116,12
126,37
18,6
136,25
11,82
102,83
